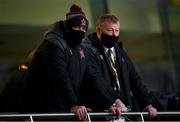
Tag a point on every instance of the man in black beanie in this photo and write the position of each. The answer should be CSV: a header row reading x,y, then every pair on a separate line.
x,y
57,67
76,25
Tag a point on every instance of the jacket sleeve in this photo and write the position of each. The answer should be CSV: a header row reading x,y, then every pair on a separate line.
x,y
138,89
54,58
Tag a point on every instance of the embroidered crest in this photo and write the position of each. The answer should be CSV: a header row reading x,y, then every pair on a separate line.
x,y
83,22
81,52
101,57
122,59
71,52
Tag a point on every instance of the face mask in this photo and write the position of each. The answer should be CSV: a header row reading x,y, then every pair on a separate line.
x,y
75,37
109,41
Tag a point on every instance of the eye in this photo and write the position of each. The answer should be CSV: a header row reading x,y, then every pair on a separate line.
x,y
76,28
80,28
109,30
83,28
116,30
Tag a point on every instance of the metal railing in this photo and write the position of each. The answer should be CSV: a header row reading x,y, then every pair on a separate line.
x,y
31,117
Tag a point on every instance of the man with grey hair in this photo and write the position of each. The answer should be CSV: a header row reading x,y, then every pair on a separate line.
x,y
122,82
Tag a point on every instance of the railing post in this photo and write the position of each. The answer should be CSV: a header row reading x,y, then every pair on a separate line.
x,y
142,117
31,118
88,117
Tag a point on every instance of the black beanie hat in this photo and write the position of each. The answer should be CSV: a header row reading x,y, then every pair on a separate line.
x,y
75,17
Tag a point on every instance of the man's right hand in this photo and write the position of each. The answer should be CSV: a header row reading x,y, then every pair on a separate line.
x,y
119,103
115,110
80,112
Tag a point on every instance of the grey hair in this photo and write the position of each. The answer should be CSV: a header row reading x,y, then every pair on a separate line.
x,y
106,17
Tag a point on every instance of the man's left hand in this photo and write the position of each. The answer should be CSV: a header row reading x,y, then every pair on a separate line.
x,y
151,110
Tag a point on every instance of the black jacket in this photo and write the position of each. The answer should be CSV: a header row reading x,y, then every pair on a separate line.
x,y
55,74
130,81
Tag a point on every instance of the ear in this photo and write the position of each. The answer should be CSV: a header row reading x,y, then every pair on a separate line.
x,y
98,31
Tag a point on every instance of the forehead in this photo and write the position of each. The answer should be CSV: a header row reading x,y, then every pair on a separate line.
x,y
110,24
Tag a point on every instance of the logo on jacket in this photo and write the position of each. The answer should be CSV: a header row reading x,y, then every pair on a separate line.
x,y
101,57
81,52
71,52
83,22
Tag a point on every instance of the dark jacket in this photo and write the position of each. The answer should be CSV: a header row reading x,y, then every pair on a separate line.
x,y
55,74
130,81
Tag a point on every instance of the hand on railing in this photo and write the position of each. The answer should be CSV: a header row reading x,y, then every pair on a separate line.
x,y
119,103
151,110
116,110
81,112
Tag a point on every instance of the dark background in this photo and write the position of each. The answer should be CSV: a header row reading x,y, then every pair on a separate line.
x,y
150,30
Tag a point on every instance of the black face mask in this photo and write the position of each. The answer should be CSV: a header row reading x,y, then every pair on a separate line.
x,y
75,37
109,41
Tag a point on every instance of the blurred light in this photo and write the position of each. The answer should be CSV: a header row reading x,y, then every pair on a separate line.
x,y
23,67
